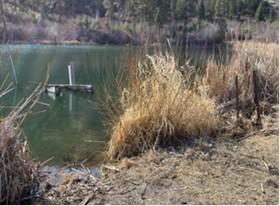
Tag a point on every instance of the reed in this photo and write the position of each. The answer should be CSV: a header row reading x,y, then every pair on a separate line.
x,y
158,108
15,165
247,56
17,171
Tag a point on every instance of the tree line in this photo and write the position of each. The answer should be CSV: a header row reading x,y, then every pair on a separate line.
x,y
155,11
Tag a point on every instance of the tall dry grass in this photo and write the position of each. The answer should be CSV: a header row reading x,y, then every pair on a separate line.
x,y
16,167
158,109
247,56
17,171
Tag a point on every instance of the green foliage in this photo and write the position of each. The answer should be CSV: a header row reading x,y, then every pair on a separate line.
x,y
234,6
222,27
260,13
210,8
157,12
109,6
220,8
181,7
200,9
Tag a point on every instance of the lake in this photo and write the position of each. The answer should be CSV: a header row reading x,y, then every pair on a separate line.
x,y
70,128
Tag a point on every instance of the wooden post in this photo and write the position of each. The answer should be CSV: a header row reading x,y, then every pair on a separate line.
x,y
70,74
71,81
73,73
237,96
256,97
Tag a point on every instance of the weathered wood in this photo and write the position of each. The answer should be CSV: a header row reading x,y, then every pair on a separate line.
x,y
237,98
256,96
88,88
71,74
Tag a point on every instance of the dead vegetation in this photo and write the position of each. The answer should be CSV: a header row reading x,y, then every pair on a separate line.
x,y
16,165
159,109
17,171
247,57
163,105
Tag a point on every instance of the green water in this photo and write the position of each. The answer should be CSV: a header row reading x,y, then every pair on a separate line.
x,y
71,128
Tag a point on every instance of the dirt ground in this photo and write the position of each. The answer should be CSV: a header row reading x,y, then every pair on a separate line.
x,y
243,171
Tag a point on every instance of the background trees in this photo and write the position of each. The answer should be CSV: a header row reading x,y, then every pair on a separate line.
x,y
153,11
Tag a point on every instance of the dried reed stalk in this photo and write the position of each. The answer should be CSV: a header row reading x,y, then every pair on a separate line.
x,y
17,171
247,56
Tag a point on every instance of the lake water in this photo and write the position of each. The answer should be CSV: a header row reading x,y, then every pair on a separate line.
x,y
71,128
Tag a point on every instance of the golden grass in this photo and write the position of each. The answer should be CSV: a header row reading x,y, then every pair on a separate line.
x,y
247,56
161,105
158,109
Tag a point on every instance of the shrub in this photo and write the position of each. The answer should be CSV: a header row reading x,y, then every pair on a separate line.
x,y
160,109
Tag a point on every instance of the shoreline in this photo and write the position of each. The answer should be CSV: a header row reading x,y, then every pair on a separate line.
x,y
197,173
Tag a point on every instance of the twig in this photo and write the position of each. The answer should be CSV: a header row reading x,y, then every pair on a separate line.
x,y
6,92
4,82
43,103
45,162
237,99
113,168
262,188
265,164
87,198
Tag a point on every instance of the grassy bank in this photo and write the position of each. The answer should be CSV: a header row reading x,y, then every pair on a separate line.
x,y
163,104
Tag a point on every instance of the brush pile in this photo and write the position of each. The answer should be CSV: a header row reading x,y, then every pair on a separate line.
x,y
247,56
17,172
159,109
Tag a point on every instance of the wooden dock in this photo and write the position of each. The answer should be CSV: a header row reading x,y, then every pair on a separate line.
x,y
55,89
87,88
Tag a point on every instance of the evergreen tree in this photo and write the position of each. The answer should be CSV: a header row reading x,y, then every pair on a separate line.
x,y
182,7
210,8
220,8
260,12
200,9
109,6
233,7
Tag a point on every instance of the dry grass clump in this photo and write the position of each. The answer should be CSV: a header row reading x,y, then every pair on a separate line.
x,y
15,164
17,172
159,109
247,56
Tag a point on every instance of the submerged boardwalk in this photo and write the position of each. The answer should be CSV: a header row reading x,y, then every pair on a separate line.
x,y
56,88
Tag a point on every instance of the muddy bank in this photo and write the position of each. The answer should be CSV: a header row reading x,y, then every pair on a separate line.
x,y
240,171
